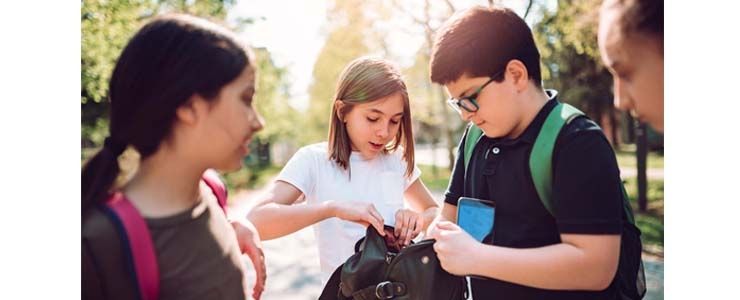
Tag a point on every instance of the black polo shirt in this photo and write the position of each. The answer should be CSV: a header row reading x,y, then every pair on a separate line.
x,y
586,195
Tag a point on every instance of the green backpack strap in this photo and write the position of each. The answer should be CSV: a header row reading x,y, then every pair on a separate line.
x,y
471,139
540,160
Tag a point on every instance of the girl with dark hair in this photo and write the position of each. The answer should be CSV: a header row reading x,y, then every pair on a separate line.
x,y
181,98
360,177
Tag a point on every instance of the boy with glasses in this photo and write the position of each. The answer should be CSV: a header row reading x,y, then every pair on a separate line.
x,y
488,62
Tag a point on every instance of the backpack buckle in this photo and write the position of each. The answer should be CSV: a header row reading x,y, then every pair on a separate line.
x,y
384,290
389,290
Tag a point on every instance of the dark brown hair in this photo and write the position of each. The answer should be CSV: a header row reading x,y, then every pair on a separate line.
x,y
366,80
168,60
642,16
481,41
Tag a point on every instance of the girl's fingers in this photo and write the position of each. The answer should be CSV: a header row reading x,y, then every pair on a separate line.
x,y
399,223
258,261
410,227
417,227
403,229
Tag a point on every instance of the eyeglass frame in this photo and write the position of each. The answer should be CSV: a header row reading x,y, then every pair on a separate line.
x,y
456,103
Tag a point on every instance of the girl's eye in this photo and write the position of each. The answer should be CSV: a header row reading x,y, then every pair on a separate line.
x,y
626,76
372,120
247,100
395,122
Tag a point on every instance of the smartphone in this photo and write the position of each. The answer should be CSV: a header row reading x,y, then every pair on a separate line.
x,y
476,217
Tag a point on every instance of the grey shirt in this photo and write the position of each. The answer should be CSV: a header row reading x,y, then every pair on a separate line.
x,y
197,253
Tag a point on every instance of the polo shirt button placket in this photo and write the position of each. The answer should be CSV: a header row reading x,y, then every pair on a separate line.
x,y
492,161
494,150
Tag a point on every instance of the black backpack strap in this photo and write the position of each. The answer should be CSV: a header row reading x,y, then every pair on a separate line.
x,y
383,290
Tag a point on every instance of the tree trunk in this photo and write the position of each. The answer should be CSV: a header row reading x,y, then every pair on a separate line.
x,y
642,167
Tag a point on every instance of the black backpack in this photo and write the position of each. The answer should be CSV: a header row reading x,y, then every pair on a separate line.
x,y
630,276
381,271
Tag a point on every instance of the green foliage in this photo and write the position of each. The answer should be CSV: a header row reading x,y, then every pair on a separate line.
x,y
106,28
431,114
271,101
250,177
652,230
570,57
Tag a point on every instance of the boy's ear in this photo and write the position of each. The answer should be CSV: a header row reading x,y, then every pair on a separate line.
x,y
338,105
192,110
518,73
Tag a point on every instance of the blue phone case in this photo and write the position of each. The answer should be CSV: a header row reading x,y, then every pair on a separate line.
x,y
476,217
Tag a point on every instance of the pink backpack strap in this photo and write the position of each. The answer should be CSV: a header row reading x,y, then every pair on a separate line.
x,y
140,245
213,181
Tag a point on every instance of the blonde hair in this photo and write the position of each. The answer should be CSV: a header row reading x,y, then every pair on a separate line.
x,y
365,80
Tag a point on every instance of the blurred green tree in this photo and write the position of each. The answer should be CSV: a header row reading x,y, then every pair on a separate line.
x,y
106,27
571,63
271,101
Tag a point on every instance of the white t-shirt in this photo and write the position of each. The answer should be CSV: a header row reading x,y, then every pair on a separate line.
x,y
380,181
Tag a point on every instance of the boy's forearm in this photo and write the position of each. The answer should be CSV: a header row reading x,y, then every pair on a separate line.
x,y
429,215
446,213
274,220
555,267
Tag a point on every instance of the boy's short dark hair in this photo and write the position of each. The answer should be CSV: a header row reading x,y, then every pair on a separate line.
x,y
480,41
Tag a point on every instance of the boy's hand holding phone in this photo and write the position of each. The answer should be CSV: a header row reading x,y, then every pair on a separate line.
x,y
455,248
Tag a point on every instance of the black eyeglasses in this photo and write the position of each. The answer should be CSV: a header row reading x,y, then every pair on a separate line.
x,y
469,103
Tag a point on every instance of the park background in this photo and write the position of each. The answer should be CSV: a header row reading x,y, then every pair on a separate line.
x,y
303,45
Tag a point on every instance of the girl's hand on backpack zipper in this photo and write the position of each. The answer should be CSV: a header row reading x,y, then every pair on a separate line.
x,y
359,212
408,225
249,243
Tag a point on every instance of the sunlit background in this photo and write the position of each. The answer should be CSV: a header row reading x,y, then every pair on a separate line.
x,y
303,45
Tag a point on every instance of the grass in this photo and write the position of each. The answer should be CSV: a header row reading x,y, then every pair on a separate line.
x,y
626,158
435,180
650,222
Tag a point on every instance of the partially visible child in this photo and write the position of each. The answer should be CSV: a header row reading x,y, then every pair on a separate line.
x,y
181,96
360,178
631,46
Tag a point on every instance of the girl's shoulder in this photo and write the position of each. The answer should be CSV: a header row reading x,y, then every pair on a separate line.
x,y
318,152
321,148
